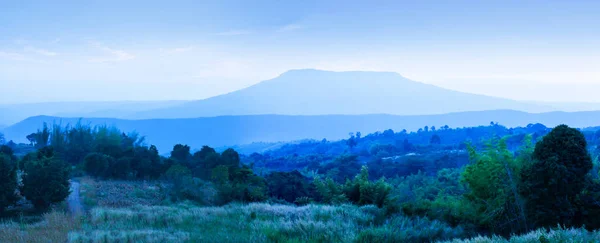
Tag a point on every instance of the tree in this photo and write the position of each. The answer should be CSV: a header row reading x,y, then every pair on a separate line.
x,y
2,139
181,153
8,182
492,178
40,138
230,158
97,164
288,186
553,182
46,181
435,139
351,142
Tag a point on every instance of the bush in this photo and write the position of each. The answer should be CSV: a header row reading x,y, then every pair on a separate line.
x,y
8,182
404,229
97,164
46,181
288,185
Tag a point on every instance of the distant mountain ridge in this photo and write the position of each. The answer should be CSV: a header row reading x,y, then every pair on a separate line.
x,y
316,92
235,130
10,114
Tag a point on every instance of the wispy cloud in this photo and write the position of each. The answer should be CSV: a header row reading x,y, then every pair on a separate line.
x,y
234,32
38,51
12,56
177,50
291,27
114,55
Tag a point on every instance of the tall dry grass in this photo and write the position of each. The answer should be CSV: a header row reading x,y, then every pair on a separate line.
x,y
53,227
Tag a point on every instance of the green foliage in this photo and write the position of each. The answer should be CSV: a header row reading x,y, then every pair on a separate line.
x,y
329,192
46,181
556,178
235,182
181,153
97,164
288,186
8,182
491,178
360,190
403,229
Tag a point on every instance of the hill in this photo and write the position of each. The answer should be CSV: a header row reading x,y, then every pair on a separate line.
x,y
315,92
235,130
12,113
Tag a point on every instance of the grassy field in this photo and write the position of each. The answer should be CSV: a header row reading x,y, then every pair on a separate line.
x,y
257,222
136,213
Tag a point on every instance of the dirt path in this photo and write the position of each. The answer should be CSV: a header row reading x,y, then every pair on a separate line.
x,y
74,200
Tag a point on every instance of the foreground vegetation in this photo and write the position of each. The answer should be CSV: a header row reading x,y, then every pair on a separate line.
x,y
256,222
519,184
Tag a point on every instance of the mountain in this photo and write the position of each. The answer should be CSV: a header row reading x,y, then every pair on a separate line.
x,y
234,130
315,92
10,114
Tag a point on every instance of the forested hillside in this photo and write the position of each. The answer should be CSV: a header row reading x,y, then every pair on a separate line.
x,y
228,131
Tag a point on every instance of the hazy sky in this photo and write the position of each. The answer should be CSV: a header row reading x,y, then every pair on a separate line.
x,y
149,50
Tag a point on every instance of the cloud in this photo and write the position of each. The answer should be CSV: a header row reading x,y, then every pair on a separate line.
x,y
234,32
40,51
291,27
12,56
114,55
178,50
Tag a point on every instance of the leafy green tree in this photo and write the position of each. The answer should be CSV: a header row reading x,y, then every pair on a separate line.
x,y
363,192
351,142
492,178
205,160
435,139
288,186
40,138
8,182
230,158
329,192
46,181
556,178
181,153
97,164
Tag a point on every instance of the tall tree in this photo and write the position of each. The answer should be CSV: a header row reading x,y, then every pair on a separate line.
x,y
8,182
557,176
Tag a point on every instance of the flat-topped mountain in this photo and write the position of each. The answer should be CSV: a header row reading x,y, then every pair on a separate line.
x,y
315,92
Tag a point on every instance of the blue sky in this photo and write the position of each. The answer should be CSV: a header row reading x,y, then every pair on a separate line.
x,y
149,50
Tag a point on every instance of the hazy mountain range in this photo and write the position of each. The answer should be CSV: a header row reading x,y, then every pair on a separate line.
x,y
300,92
315,92
299,104
232,130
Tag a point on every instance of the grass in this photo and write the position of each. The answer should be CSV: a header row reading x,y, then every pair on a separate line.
x,y
54,227
105,193
541,236
257,222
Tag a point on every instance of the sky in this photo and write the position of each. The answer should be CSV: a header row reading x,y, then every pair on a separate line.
x,y
184,50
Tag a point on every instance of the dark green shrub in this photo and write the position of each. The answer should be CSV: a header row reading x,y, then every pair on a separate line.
x,y
8,182
46,181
